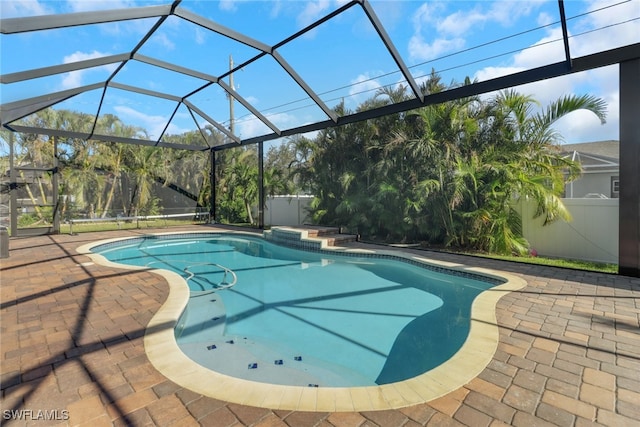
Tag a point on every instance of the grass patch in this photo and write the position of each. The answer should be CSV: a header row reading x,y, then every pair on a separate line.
x,y
88,227
574,264
554,262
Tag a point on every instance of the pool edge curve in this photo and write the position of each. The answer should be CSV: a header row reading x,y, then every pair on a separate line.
x,y
467,363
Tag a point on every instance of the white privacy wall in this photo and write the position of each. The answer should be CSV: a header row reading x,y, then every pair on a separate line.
x,y
591,236
287,210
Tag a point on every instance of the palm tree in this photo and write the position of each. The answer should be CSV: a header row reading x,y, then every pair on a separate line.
x,y
448,173
112,160
145,164
513,157
237,184
36,151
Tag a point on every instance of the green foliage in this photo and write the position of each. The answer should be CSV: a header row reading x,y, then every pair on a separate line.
x,y
101,179
448,174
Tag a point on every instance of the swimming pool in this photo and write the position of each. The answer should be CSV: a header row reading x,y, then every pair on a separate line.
x,y
263,313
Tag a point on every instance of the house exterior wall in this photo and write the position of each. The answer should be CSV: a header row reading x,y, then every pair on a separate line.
x,y
590,183
591,236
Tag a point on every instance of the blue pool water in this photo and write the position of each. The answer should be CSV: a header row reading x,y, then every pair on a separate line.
x,y
269,313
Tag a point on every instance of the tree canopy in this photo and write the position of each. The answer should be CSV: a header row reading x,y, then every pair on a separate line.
x,y
447,174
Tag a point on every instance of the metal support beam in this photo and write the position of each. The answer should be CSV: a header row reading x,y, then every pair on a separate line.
x,y
212,180
295,76
166,126
629,214
13,186
173,67
48,22
261,200
62,68
373,18
565,32
246,104
16,110
221,29
143,91
212,122
55,197
583,63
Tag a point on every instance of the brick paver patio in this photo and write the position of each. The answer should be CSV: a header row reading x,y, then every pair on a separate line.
x,y
72,349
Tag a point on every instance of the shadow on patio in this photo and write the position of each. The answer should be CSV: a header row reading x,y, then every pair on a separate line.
x,y
569,351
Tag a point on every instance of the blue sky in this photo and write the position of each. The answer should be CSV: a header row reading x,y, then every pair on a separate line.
x,y
343,59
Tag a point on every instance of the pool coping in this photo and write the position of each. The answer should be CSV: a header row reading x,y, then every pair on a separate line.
x,y
467,363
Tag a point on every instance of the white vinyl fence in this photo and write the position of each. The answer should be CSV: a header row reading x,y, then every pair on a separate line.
x,y
287,210
591,236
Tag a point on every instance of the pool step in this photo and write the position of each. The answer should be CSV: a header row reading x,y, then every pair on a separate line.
x,y
339,239
308,236
331,234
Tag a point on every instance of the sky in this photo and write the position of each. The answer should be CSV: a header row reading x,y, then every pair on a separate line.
x,y
342,60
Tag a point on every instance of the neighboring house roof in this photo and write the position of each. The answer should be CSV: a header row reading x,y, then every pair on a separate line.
x,y
608,149
594,156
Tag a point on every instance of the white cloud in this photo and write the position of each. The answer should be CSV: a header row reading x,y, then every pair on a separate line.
x,y
547,50
252,126
163,40
228,5
361,89
251,99
200,36
460,22
120,29
392,14
75,79
436,34
276,8
81,56
609,35
316,9
507,12
421,50
153,124
312,12
94,5
580,126
489,73
426,15
544,19
282,120
23,8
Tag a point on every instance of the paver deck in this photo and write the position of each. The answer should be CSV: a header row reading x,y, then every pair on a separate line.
x,y
72,349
